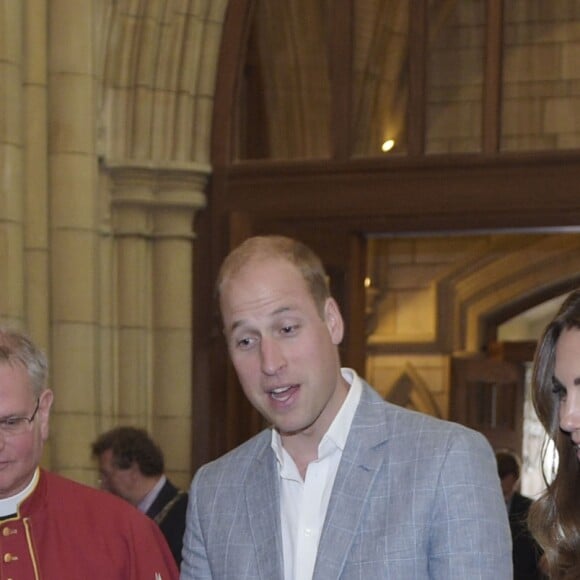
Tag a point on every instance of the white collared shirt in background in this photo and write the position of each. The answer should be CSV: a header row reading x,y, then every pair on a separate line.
x,y
303,504
147,501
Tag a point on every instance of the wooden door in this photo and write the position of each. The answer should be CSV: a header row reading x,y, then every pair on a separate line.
x,y
488,396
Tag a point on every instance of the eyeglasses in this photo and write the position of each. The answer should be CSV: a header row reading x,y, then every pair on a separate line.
x,y
18,425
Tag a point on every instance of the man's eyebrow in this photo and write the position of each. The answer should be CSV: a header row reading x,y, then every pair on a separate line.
x,y
10,416
235,325
282,310
276,312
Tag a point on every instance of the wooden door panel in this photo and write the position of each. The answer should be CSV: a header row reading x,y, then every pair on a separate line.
x,y
488,396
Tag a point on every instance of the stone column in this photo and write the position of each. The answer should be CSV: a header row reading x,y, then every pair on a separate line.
x,y
35,162
153,213
74,234
178,199
11,164
132,198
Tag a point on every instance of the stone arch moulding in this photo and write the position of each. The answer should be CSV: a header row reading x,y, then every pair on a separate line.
x,y
496,285
410,390
158,67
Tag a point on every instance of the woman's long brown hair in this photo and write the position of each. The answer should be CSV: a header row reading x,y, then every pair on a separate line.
x,y
554,518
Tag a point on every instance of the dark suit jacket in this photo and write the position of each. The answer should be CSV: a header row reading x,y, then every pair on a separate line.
x,y
526,552
168,510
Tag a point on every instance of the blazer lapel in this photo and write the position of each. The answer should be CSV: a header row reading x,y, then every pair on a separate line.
x,y
263,504
361,460
167,492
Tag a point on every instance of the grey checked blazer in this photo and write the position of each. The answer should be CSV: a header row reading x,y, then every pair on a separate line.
x,y
414,498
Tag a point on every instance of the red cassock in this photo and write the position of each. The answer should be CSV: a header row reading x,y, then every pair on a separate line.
x,y
68,531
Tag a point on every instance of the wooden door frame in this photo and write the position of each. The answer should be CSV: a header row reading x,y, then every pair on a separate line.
x,y
520,193
356,198
479,375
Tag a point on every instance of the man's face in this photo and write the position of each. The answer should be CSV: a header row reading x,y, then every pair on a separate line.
x,y
113,479
284,353
20,454
508,484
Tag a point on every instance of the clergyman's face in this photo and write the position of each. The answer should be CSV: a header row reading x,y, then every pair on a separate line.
x,y
20,453
284,351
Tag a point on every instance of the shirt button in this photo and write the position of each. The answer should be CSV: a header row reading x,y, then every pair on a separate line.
x,y
307,532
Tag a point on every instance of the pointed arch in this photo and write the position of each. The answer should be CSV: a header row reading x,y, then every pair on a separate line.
x,y
158,67
506,278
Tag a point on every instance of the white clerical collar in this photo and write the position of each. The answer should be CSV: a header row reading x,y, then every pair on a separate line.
x,y
9,505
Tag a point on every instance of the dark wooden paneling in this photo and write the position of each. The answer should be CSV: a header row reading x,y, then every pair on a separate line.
x,y
513,351
492,83
340,52
419,37
455,193
488,396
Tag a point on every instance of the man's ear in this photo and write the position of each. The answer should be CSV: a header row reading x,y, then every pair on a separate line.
x,y
45,403
44,406
334,321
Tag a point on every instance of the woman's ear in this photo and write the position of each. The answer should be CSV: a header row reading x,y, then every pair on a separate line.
x,y
334,321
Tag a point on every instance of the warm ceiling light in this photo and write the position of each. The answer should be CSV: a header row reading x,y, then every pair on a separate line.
x,y
388,145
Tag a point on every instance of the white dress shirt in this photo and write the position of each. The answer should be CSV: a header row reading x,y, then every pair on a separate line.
x,y
303,503
148,500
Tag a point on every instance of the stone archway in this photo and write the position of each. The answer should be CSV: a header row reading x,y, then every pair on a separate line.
x,y
508,276
435,298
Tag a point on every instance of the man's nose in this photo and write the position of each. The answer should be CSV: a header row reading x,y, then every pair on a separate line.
x,y
272,357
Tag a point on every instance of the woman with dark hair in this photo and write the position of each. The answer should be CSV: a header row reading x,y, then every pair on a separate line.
x,y
555,518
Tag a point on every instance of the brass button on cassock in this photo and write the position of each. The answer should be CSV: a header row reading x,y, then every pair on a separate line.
x,y
9,558
6,531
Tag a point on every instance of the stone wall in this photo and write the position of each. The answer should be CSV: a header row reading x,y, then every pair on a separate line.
x,y
430,298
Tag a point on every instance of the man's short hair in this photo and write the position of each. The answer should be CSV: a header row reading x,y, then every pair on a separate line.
x,y
281,247
131,445
16,348
508,463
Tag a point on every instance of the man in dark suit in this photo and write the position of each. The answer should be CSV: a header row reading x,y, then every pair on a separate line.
x,y
526,553
131,465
